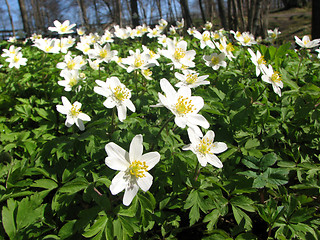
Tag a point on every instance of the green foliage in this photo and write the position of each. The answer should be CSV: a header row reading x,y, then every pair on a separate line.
x,y
54,183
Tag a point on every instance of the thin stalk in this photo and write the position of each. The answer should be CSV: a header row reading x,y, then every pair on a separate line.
x,y
196,172
163,126
113,121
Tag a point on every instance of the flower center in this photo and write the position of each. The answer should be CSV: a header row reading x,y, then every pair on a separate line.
x,y
16,59
138,169
103,53
215,60
305,42
179,53
230,47
75,111
147,72
261,60
184,106
121,93
276,77
246,39
73,81
205,146
206,37
64,28
152,54
138,62
71,64
191,78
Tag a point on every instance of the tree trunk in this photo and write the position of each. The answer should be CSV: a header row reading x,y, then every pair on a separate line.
x,y
202,12
315,29
142,6
83,9
118,12
97,13
24,17
222,14
186,13
257,16
240,8
159,8
134,13
9,13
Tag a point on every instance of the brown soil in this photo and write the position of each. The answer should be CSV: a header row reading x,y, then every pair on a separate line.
x,y
292,22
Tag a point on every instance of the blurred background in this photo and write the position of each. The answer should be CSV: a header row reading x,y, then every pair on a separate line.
x,y
293,17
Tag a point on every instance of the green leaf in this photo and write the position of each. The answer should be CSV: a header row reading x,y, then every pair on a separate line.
x,y
239,215
267,161
74,186
67,230
243,202
195,201
45,183
98,226
8,218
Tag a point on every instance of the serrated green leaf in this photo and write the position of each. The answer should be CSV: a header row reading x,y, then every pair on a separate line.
x,y
8,218
67,230
98,226
45,183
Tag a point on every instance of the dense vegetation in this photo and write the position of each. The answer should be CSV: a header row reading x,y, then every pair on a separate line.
x,y
54,183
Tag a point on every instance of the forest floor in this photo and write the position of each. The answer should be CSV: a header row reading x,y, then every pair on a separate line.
x,y
291,22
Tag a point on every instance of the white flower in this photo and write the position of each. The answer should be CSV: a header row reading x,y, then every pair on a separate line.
x,y
154,32
71,63
133,167
205,148
245,38
172,30
215,60
273,34
180,24
47,45
71,79
205,39
117,96
177,52
184,106
73,112
227,49
306,43
63,28
106,37
273,77
121,33
65,43
12,39
138,60
207,26
192,31
257,60
16,60
11,51
190,79
81,31
102,53
95,65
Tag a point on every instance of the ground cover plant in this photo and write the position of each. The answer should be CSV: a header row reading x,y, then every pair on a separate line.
x,y
153,133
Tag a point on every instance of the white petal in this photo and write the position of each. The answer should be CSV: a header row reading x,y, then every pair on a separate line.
x,y
151,159
129,194
136,148
214,160
109,103
62,109
145,182
116,163
66,102
84,117
80,124
115,151
118,183
122,112
219,147
198,119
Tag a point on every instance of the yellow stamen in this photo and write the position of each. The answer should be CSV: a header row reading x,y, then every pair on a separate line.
x,y
215,60
191,78
205,146
138,62
138,169
71,64
75,111
103,53
179,53
230,47
276,77
121,93
73,82
261,60
206,37
184,106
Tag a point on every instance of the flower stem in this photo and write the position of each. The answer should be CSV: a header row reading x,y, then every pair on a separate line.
x,y
113,121
196,172
163,126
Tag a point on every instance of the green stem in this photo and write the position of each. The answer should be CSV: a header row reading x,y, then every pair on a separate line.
x,y
299,67
196,172
252,101
163,126
113,120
